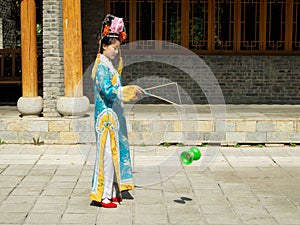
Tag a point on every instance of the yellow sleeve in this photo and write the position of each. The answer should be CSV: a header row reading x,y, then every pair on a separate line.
x,y
129,93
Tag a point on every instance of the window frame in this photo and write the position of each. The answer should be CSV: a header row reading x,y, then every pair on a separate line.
x,y
185,4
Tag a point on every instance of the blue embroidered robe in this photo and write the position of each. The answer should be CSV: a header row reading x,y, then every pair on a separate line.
x,y
109,117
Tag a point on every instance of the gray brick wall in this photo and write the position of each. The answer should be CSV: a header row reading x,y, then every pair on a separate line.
x,y
247,79
53,61
7,26
5,7
257,79
92,14
1,34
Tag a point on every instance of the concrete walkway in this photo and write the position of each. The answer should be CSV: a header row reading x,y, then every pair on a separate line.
x,y
49,184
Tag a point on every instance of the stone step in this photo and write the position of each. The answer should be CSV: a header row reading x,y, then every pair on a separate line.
x,y
157,124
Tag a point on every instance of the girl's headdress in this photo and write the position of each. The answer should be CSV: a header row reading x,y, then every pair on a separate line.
x,y
112,26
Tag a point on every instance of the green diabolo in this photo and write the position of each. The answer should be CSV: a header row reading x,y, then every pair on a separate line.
x,y
187,157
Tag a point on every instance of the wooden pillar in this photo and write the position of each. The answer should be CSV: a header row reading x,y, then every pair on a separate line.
x,y
73,103
72,48
29,48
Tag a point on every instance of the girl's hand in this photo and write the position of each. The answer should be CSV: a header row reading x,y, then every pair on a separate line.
x,y
139,90
130,92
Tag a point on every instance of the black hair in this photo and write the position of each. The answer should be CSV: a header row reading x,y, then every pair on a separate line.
x,y
106,40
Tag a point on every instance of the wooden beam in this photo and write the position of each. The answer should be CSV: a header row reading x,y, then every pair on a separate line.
x,y
211,25
237,25
72,48
132,19
185,23
29,48
289,25
263,25
158,25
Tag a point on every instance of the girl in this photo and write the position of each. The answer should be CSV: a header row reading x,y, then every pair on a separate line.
x,y
112,170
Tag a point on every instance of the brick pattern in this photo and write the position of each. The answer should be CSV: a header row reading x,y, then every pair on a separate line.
x,y
53,78
7,24
257,79
1,33
92,15
53,65
245,79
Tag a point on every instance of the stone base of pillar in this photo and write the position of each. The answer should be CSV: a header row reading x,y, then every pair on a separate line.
x,y
73,106
30,106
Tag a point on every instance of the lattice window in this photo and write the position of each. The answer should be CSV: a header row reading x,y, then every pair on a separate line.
x,y
224,25
250,25
275,25
198,26
145,23
121,8
213,26
171,22
296,24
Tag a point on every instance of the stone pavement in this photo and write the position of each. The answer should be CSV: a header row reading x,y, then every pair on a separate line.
x,y
49,184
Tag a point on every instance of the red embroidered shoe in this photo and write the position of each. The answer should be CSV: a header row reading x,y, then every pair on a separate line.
x,y
117,199
108,205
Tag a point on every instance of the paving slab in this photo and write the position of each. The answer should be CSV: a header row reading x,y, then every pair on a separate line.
x,y
244,186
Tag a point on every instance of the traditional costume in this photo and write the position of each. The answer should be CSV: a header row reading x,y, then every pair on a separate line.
x,y
112,170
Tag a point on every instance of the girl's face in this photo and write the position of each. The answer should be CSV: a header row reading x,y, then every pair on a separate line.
x,y
110,51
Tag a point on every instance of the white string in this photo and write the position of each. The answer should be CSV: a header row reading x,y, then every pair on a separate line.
x,y
178,94
164,99
161,98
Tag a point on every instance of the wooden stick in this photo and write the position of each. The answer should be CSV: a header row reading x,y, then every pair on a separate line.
x,y
163,85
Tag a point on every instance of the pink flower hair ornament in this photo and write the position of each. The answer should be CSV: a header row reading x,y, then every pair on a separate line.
x,y
117,25
113,26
